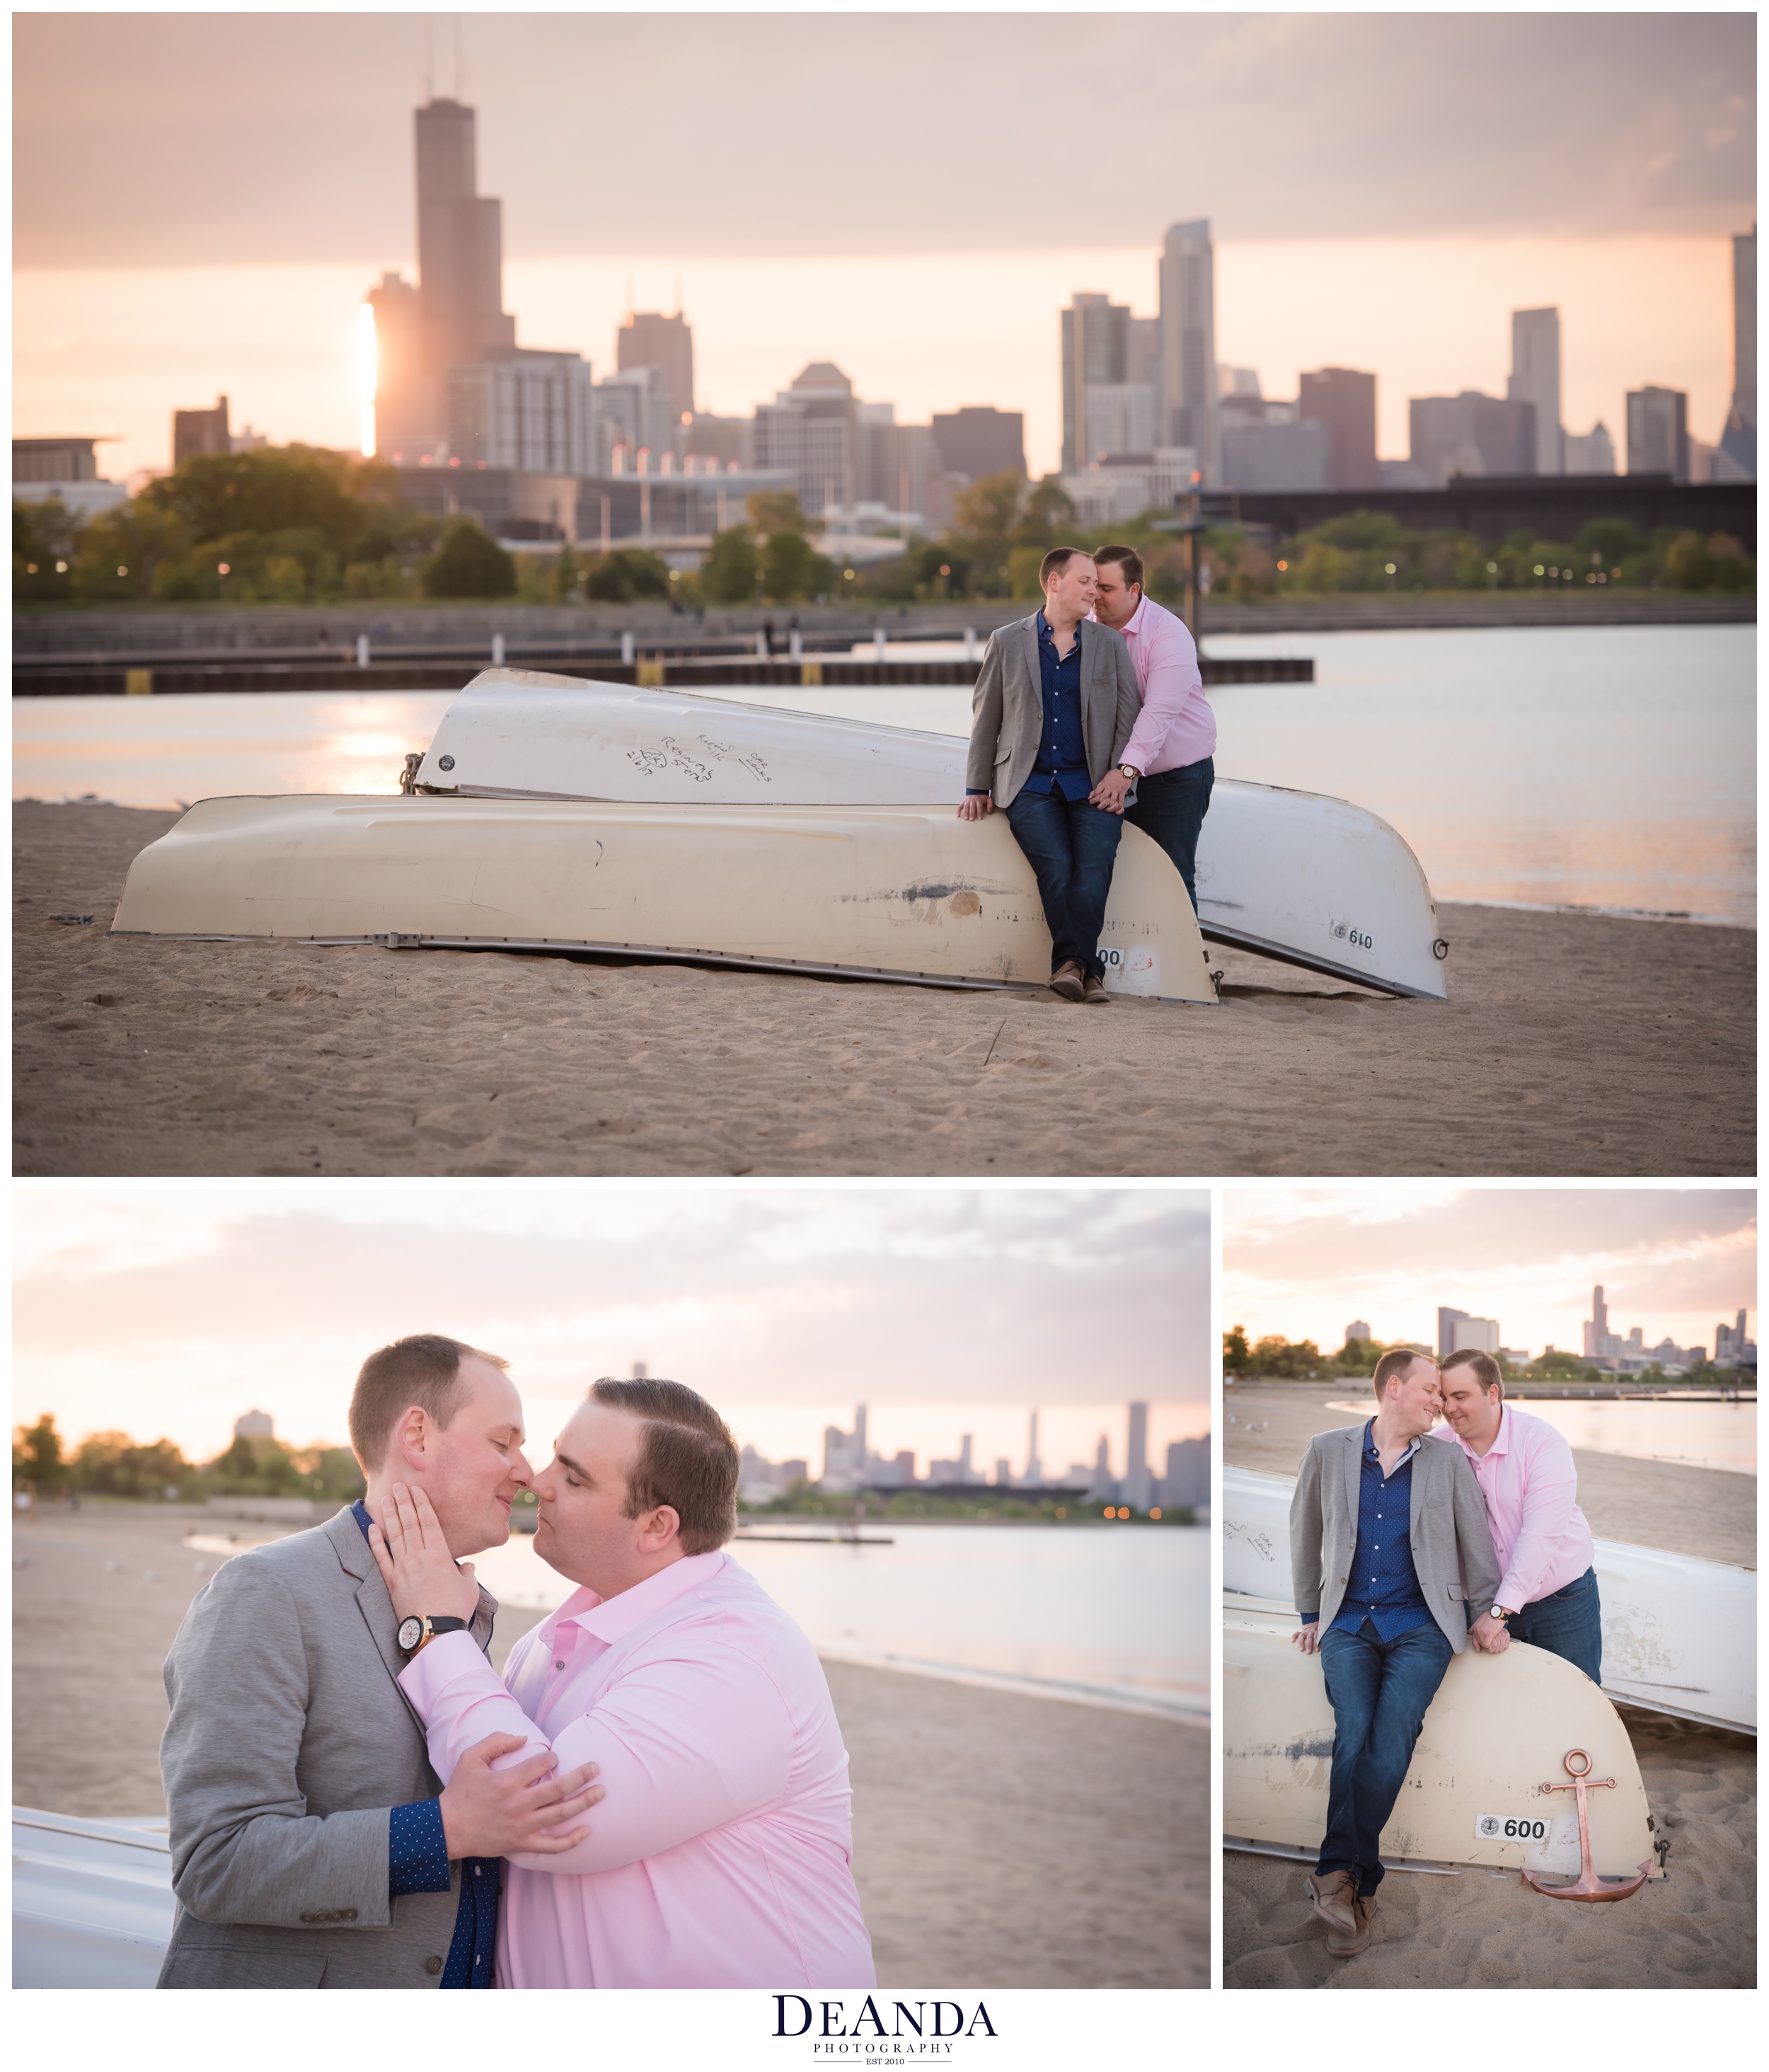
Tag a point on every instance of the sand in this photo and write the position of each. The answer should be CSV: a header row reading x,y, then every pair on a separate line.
x,y
1574,1043
999,1840
1486,1929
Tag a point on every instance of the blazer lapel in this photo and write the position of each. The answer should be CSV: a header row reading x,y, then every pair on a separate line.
x,y
1354,1473
356,1558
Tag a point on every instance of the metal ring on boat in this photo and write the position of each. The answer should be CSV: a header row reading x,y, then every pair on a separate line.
x,y
1439,949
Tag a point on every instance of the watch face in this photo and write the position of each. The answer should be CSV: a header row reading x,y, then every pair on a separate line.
x,y
411,1631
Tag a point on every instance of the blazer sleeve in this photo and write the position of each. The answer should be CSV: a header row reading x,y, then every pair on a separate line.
x,y
1305,1528
244,1847
986,705
1130,710
1474,1536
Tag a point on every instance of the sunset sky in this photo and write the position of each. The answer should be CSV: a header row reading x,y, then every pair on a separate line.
x,y
1302,1263
156,1310
885,191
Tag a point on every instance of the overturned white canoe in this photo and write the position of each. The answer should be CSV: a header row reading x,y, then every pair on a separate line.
x,y
1497,1732
1679,1635
1308,880
892,892
92,1900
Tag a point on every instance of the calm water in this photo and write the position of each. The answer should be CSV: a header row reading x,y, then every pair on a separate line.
x,y
1701,1435
1608,766
1120,1615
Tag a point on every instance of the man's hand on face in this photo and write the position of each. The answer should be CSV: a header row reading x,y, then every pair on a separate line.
x,y
488,1812
1308,1638
978,808
1110,793
1489,1634
420,1574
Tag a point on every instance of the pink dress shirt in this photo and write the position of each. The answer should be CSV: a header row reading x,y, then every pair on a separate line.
x,y
1530,1484
721,1855
1177,725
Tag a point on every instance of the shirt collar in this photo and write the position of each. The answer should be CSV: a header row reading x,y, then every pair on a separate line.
x,y
1044,631
1369,1446
1133,624
612,1618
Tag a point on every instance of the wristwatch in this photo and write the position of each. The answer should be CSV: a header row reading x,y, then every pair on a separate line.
x,y
1130,770
1500,1613
415,1631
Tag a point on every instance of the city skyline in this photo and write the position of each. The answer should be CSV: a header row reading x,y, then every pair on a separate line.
x,y
946,1311
1643,297
1298,1262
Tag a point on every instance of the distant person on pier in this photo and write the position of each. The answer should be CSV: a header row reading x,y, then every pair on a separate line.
x,y
1171,756
1547,1595
1054,705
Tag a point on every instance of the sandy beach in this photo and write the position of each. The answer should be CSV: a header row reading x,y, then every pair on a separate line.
x,y
999,1840
1572,1043
1484,1929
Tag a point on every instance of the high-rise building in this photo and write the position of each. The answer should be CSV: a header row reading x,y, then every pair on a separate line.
x,y
1102,1484
1035,1467
1471,435
535,413
1142,352
1138,1488
1188,344
1344,401
980,440
1095,337
1731,1347
1658,433
196,432
1275,456
1475,1334
647,338
1120,419
1737,452
1535,378
1447,1321
844,1458
1601,1343
1187,1482
812,431
460,243
409,415
254,1424
1590,453
1358,1329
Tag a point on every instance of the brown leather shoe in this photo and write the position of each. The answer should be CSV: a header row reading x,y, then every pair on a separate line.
x,y
1093,991
1353,1943
1331,1894
1066,981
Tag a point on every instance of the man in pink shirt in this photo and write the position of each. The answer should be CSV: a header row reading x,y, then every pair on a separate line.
x,y
1173,747
1547,1592
721,1853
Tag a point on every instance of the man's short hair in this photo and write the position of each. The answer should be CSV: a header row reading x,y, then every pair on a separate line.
x,y
687,1459
424,1370
1057,559
1395,1363
1126,557
1486,1367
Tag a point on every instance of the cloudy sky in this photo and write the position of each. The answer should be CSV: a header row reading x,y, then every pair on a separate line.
x,y
171,1310
885,190
1303,1262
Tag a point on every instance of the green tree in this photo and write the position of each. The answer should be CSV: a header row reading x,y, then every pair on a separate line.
x,y
625,573
273,490
566,579
728,575
1235,1354
1688,563
124,551
791,570
112,1464
1048,512
772,511
989,509
45,539
36,1452
1322,567
469,563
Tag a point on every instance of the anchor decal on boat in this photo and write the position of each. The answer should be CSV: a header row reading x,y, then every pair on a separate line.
x,y
1590,1886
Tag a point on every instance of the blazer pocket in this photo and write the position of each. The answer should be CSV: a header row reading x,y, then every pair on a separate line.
x,y
1003,755
1454,1589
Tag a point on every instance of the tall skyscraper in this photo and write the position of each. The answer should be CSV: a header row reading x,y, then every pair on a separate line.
x,y
981,440
1739,441
1188,344
1358,1329
1658,433
1535,378
1035,1467
1138,1490
1600,1342
1471,435
1094,331
1447,1321
647,338
1344,401
1590,453
200,432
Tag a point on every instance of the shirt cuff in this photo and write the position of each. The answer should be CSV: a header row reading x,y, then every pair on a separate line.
x,y
416,1848
976,794
1310,1618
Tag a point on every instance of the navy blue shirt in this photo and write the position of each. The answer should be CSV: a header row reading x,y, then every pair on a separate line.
x,y
417,1861
1384,1585
1062,751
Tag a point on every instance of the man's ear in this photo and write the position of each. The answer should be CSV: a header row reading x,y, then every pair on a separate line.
x,y
411,1438
661,1528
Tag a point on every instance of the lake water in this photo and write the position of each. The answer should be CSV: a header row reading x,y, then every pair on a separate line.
x,y
1699,1435
1118,1616
1605,766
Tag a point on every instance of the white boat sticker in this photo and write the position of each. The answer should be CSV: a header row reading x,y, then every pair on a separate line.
x,y
1508,1828
1360,938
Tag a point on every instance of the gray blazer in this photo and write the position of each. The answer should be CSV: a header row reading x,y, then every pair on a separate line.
x,y
1007,706
1452,1547
289,1745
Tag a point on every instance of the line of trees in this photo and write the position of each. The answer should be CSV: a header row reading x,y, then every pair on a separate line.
x,y
114,1464
804,1499
1283,1359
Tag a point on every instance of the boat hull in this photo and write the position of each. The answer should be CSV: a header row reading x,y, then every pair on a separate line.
x,y
1497,1732
1679,1634
878,892
1309,880
92,1901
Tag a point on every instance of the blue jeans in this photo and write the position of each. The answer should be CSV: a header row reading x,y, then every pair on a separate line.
x,y
1169,809
1071,846
1569,1624
1379,1691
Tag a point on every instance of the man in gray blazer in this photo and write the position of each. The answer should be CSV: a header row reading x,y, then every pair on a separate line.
x,y
1388,1545
312,1845
1056,702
